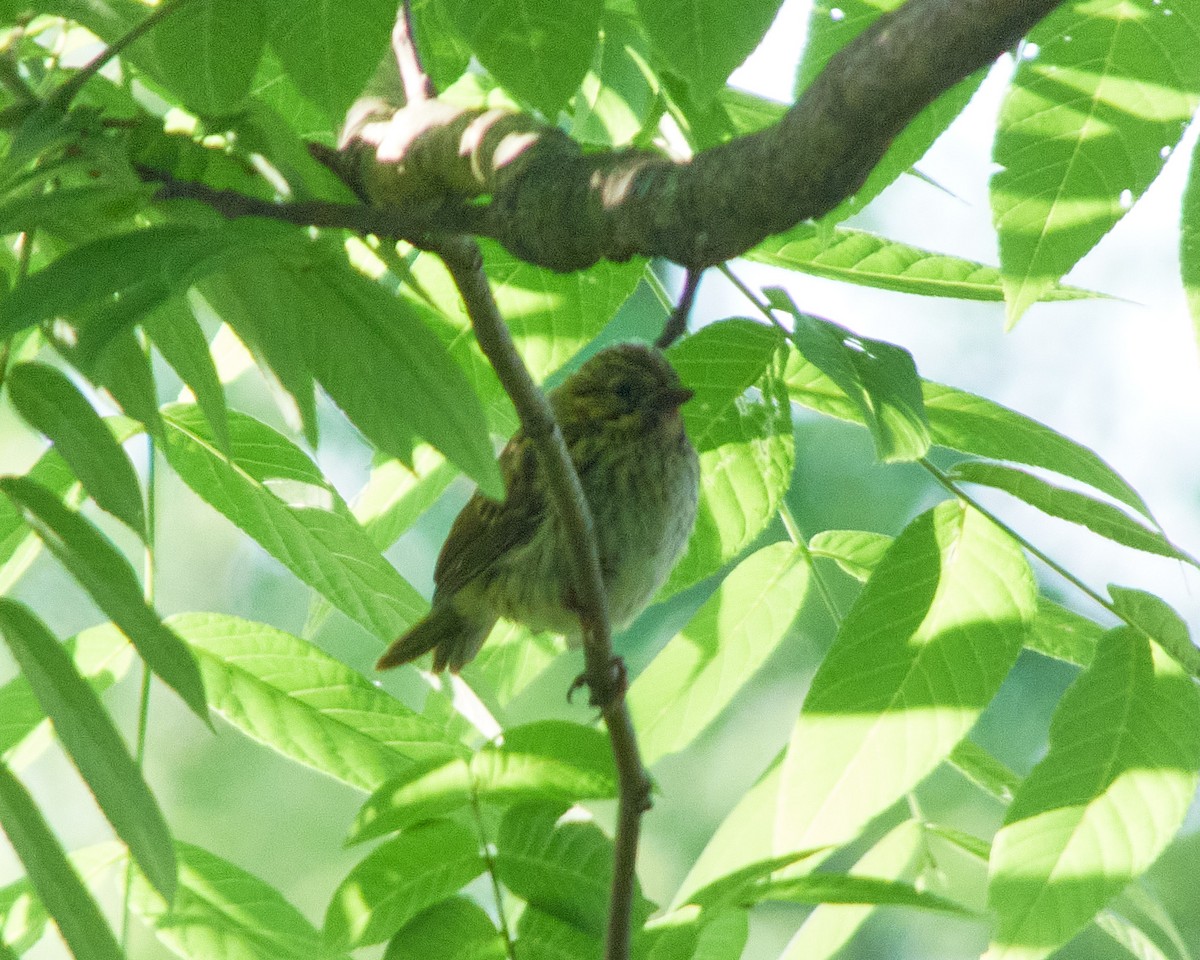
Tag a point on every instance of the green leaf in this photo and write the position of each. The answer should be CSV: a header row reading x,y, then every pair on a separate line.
x,y
541,936
102,655
745,445
208,52
745,837
869,260
221,912
392,500
1104,802
879,378
538,49
713,935
395,495
617,96
425,864
1085,128
850,889
101,570
22,918
512,657
735,887
19,545
455,929
829,32
49,402
444,55
1189,240
61,211
1063,634
288,695
705,40
984,770
92,742
58,885
968,423
123,368
940,623
563,869
857,552
1141,902
330,48
181,341
107,285
829,928
310,532
551,760
971,424
1099,517
702,669
307,308
1155,618
1135,941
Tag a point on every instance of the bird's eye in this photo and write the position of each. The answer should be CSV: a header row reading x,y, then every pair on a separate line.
x,y
627,393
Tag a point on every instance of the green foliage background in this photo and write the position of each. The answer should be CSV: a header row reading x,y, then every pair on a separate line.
x,y
938,740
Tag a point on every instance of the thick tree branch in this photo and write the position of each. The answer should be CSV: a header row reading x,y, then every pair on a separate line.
x,y
555,206
424,165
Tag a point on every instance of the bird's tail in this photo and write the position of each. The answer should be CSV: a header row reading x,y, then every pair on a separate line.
x,y
453,638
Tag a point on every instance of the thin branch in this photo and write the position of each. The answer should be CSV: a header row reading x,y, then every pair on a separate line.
x,y
676,324
411,223
465,263
63,96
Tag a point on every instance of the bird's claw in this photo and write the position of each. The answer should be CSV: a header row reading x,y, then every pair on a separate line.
x,y
616,687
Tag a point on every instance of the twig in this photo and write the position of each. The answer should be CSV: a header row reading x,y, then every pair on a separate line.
x,y
408,223
417,84
676,323
63,96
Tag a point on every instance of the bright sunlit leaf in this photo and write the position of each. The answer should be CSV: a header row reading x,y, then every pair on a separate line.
x,y
702,669
400,878
222,912
299,519
1104,802
898,691
745,442
1101,97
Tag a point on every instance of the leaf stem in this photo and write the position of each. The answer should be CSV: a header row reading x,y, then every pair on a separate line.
x,y
951,487
490,859
797,537
149,566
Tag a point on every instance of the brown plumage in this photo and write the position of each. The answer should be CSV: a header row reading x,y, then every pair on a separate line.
x,y
619,415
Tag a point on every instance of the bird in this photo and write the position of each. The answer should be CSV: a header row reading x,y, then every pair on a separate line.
x,y
620,418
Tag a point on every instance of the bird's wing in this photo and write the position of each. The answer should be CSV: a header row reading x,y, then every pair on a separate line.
x,y
485,530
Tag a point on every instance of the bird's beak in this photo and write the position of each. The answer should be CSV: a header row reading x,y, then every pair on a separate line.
x,y
677,396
